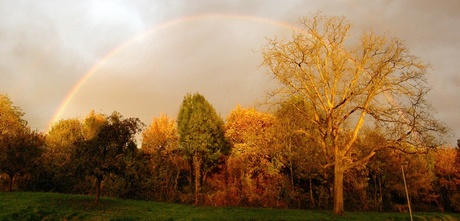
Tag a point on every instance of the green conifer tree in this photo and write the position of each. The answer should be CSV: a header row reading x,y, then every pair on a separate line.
x,y
201,138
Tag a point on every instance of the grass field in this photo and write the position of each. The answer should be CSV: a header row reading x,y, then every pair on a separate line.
x,y
52,206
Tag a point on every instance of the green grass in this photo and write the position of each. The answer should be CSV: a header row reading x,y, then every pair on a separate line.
x,y
53,206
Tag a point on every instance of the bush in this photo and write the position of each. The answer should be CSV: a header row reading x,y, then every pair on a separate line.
x,y
455,202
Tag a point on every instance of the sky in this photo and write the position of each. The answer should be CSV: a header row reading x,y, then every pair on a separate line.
x,y
61,59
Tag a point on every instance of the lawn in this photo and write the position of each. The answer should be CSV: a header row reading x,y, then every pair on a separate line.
x,y
53,206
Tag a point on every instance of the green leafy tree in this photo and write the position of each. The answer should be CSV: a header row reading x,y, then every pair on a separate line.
x,y
20,147
108,140
376,81
201,137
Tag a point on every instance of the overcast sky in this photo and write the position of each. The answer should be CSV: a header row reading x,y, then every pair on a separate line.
x,y
211,47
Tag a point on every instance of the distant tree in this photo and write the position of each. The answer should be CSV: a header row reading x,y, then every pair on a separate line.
x,y
108,140
375,82
20,147
201,137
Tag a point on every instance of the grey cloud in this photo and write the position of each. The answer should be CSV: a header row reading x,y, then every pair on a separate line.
x,y
47,46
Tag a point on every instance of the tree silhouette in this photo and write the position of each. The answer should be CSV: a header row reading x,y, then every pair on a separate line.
x,y
108,141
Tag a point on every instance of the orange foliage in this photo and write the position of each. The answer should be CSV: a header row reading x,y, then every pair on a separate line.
x,y
161,135
251,176
160,142
445,167
448,178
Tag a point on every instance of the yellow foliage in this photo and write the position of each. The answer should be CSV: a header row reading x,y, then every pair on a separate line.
x,y
161,135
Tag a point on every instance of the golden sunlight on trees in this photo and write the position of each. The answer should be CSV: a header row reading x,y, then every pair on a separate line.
x,y
161,135
374,81
348,113
300,153
59,148
160,141
20,147
92,123
254,164
447,171
62,137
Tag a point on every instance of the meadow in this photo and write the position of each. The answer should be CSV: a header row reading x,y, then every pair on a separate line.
x,y
54,206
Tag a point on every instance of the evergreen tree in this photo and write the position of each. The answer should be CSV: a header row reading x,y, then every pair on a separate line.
x,y
201,138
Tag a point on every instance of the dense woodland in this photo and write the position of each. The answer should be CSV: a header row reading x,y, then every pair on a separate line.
x,y
254,159
341,127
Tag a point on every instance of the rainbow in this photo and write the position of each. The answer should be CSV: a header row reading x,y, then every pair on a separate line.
x,y
119,48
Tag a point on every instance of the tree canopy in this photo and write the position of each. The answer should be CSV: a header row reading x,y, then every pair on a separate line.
x,y
201,137
20,147
108,140
373,81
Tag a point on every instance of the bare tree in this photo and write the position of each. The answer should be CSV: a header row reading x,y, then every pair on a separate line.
x,y
375,82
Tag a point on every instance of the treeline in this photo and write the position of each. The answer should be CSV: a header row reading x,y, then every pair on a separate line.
x,y
252,159
347,116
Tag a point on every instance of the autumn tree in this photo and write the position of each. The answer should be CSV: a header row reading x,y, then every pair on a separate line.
x,y
20,147
160,141
455,199
160,135
201,137
107,141
254,163
62,137
59,146
371,81
300,153
21,153
447,177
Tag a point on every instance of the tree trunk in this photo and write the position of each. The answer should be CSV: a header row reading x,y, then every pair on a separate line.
x,y
191,170
197,169
98,190
291,172
375,191
176,180
311,193
291,167
10,186
380,194
338,189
